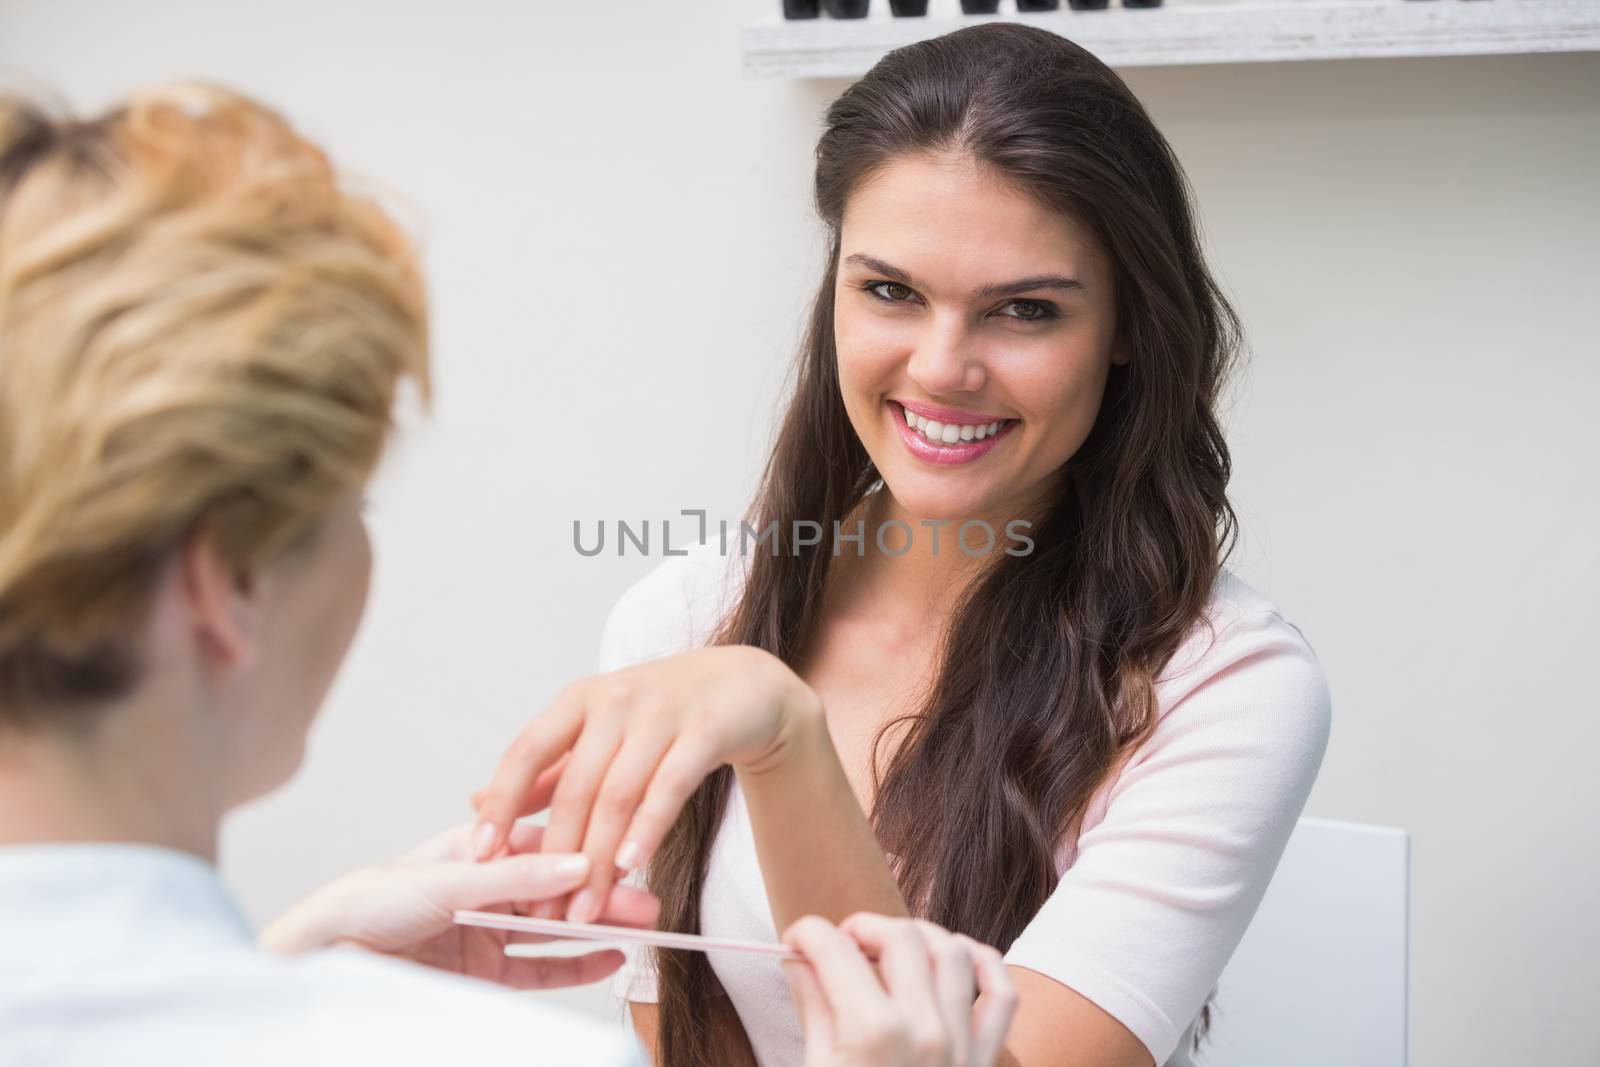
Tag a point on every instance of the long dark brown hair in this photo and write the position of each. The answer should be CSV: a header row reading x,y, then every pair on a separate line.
x,y
1047,667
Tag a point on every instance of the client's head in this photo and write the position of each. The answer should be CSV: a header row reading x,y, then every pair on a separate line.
x,y
201,339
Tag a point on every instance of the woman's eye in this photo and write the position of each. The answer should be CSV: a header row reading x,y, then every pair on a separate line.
x,y
891,292
1029,310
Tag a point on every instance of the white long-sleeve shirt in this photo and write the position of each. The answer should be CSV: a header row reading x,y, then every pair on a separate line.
x,y
1174,854
135,956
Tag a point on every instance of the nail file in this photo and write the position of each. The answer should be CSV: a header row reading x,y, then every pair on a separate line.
x,y
559,928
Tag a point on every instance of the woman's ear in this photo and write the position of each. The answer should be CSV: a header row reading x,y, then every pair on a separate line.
x,y
220,598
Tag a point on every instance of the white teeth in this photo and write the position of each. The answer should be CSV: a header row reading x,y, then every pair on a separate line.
x,y
950,433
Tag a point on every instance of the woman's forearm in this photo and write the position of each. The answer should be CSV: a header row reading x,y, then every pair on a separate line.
x,y
817,851
647,1027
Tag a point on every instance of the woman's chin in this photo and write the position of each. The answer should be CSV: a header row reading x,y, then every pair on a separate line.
x,y
937,502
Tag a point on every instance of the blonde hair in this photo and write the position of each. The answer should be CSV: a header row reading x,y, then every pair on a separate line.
x,y
197,324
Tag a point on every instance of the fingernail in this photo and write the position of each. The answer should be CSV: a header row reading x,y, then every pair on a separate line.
x,y
572,866
628,856
583,909
483,840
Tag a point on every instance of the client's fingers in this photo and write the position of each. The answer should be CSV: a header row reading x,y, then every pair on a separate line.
x,y
586,768
538,797
553,972
628,906
525,837
569,807
676,777
512,790
619,795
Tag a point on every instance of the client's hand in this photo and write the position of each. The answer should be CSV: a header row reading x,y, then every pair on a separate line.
x,y
405,908
617,756
935,999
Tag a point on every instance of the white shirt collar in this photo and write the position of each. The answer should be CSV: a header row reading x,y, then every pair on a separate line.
x,y
68,905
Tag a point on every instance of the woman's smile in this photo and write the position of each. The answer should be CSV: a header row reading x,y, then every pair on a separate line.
x,y
944,435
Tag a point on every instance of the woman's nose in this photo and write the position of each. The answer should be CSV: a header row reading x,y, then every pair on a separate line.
x,y
945,359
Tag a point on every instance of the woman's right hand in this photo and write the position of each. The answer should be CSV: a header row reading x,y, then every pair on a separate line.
x,y
935,999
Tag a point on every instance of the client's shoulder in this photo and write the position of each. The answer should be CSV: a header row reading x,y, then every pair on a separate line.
x,y
675,606
1246,654
1239,619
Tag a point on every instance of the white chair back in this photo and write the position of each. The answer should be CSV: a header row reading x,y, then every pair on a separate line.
x,y
1320,977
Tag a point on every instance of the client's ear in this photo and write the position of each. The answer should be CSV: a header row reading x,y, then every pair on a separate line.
x,y
221,598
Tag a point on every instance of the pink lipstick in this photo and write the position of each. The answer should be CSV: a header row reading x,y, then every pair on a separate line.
x,y
945,435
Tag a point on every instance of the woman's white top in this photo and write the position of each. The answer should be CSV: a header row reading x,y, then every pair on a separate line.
x,y
1174,854
135,956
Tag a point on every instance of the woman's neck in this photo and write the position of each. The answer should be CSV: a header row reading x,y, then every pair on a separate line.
x,y
930,578
134,776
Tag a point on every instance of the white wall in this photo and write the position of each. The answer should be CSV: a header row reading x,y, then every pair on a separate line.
x,y
619,241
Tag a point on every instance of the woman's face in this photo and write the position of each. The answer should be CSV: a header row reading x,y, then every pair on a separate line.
x,y
981,316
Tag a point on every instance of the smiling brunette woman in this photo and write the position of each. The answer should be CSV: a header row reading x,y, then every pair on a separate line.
x,y
1089,754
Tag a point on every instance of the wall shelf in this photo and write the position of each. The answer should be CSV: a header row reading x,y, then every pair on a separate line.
x,y
1201,31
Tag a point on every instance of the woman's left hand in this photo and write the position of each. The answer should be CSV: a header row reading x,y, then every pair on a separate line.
x,y
406,909
617,756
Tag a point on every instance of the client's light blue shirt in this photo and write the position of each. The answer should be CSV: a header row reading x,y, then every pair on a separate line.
x,y
135,956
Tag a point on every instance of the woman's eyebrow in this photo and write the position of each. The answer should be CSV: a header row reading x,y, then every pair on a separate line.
x,y
1021,285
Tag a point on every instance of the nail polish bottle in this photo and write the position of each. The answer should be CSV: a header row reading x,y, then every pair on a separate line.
x,y
1088,5
1141,3
846,9
800,9
903,8
1038,5
980,7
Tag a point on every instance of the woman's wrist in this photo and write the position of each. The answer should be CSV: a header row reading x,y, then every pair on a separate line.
x,y
803,733
806,775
